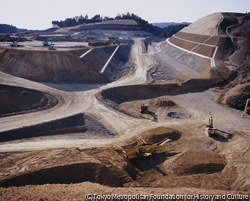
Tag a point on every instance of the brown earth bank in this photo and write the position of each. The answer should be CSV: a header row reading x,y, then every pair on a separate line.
x,y
117,95
234,97
17,100
171,167
64,66
78,123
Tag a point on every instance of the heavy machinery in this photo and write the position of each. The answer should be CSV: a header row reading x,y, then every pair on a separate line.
x,y
144,108
246,108
210,130
136,149
46,43
52,47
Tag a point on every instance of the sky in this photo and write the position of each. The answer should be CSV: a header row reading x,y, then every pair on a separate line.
x,y
38,14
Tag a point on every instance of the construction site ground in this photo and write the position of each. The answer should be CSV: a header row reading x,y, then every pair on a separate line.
x,y
67,164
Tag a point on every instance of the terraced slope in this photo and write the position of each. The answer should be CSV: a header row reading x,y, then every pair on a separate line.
x,y
207,37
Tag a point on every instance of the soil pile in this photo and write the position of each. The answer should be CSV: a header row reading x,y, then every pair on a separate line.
x,y
163,102
16,100
184,163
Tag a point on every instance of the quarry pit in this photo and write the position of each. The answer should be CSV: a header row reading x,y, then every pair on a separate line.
x,y
64,123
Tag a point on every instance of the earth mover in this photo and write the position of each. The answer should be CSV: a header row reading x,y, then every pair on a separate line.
x,y
210,130
136,149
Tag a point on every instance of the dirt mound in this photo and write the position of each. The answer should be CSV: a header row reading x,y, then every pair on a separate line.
x,y
184,163
158,134
235,97
163,102
16,100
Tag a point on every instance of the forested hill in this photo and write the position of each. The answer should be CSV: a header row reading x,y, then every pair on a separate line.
x,y
5,28
145,26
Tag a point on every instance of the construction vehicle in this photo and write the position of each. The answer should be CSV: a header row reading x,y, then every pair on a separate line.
x,y
246,108
141,149
144,108
210,130
46,43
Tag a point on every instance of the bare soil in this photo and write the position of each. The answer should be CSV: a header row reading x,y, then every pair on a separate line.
x,y
67,166
205,26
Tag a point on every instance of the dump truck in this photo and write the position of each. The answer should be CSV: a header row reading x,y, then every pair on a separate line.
x,y
142,148
210,130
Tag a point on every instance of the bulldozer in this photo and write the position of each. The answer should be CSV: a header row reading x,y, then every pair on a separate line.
x,y
210,130
143,149
246,108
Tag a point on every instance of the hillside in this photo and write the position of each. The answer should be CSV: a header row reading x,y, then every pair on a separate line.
x,y
124,22
124,25
222,38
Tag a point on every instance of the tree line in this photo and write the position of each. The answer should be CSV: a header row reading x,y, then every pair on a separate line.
x,y
5,28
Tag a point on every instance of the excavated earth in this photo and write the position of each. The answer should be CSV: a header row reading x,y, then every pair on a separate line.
x,y
17,100
65,66
99,121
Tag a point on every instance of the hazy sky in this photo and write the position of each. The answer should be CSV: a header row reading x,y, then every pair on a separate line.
x,y
38,14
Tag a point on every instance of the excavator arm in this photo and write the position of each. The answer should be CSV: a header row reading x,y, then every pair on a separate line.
x,y
245,110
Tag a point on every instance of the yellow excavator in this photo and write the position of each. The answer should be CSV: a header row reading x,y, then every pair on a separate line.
x,y
136,149
246,108
210,130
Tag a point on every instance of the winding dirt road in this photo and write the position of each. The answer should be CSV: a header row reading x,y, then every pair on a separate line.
x,y
80,98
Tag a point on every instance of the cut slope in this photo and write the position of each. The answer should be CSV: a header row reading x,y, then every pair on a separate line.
x,y
16,100
61,66
205,26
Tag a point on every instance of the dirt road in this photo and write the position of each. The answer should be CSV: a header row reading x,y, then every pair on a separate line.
x,y
80,98
61,151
